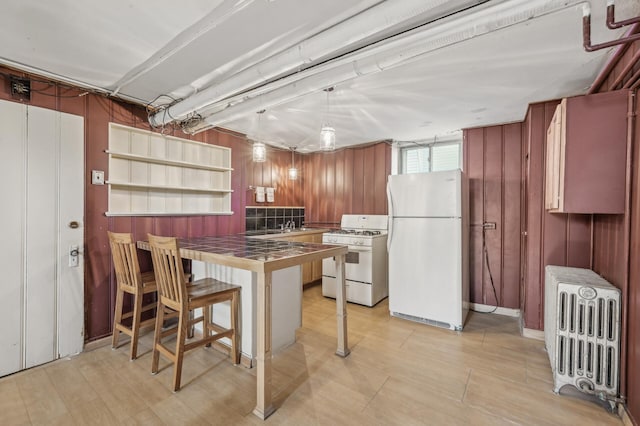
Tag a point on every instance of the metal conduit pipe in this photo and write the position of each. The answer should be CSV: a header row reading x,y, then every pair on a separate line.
x,y
611,20
631,124
356,29
384,55
613,60
635,85
625,70
586,35
62,79
633,79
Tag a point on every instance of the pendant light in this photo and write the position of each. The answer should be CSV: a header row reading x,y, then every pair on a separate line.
x,y
259,149
259,152
327,132
293,172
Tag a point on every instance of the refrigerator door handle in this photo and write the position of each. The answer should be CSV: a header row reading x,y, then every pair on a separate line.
x,y
390,201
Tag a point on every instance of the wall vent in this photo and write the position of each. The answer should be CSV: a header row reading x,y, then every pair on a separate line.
x,y
20,88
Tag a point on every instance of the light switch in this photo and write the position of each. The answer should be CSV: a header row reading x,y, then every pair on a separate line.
x,y
97,177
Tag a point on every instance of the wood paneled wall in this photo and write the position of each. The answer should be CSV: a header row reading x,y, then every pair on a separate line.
x,y
348,181
609,248
100,280
632,347
492,159
274,173
552,238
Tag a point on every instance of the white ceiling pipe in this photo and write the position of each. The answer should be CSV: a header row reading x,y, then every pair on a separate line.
x,y
214,18
354,30
390,53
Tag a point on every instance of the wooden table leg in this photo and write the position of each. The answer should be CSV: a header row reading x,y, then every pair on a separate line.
x,y
341,308
264,406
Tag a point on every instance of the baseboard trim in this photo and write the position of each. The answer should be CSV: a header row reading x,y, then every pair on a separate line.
x,y
509,312
530,333
624,415
96,344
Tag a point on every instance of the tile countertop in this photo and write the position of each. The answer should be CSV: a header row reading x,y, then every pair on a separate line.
x,y
256,254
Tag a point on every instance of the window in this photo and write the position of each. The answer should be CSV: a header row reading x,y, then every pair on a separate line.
x,y
431,158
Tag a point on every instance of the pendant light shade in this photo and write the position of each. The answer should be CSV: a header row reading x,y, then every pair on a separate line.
x,y
259,152
327,132
327,138
293,172
259,149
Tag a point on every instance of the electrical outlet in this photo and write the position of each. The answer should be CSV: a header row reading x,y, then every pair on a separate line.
x,y
97,177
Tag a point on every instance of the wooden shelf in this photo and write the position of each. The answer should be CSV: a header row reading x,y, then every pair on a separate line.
x,y
195,177
154,160
167,188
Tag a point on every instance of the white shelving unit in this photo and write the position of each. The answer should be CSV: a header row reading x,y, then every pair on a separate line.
x,y
152,175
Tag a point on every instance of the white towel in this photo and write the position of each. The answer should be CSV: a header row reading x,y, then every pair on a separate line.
x,y
260,194
270,195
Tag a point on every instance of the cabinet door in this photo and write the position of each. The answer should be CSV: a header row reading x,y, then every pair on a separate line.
x,y
586,155
553,174
317,265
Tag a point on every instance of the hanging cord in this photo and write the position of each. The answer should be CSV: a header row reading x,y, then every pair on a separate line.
x,y
486,261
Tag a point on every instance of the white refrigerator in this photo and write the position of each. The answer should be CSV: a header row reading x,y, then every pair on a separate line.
x,y
428,247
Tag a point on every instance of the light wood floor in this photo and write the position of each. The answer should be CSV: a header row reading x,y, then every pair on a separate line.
x,y
398,373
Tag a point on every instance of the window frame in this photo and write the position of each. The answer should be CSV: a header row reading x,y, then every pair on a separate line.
x,y
429,146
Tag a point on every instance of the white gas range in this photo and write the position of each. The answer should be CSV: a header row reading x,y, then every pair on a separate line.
x,y
366,263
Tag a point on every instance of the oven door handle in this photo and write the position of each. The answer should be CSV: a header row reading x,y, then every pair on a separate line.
x,y
360,250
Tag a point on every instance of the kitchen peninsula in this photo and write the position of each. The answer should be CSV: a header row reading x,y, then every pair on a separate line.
x,y
233,257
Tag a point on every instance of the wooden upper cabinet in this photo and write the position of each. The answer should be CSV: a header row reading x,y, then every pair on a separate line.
x,y
586,154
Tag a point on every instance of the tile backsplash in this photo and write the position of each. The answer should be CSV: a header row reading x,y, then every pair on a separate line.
x,y
258,218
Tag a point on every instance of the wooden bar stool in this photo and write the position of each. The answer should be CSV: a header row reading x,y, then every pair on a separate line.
x,y
174,296
130,280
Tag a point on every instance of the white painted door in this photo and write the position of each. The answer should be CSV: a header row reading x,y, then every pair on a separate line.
x,y
41,168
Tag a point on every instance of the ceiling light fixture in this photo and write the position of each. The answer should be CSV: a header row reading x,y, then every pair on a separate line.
x,y
259,148
293,172
259,152
327,132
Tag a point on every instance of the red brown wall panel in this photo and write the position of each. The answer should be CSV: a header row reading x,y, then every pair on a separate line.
x,y
512,215
492,161
348,181
473,147
609,261
493,213
632,361
381,161
552,239
341,185
358,181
